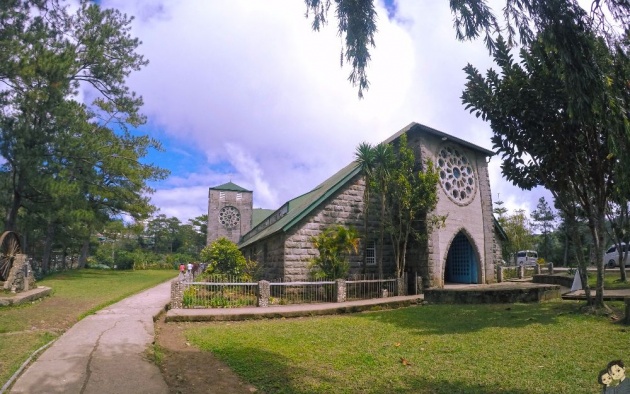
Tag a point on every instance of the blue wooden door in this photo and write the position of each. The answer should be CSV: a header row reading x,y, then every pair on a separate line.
x,y
461,262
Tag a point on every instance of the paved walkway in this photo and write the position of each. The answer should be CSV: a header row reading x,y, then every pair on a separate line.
x,y
103,353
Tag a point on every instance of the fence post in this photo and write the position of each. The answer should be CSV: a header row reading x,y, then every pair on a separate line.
x,y
521,272
177,294
627,320
340,290
264,291
400,286
499,274
537,269
550,267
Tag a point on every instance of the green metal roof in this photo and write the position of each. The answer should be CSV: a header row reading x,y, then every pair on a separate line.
x,y
260,214
230,187
296,209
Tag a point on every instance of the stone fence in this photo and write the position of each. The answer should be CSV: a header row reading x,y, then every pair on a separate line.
x,y
521,271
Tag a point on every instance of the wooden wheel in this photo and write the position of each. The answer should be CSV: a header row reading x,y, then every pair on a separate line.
x,y
9,247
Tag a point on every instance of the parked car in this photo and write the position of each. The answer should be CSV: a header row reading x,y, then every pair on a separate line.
x,y
527,258
611,257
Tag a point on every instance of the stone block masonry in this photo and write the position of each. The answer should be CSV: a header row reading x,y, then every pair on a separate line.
x,y
21,276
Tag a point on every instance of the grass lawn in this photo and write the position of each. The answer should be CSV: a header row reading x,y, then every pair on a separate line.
x,y
521,348
611,279
25,328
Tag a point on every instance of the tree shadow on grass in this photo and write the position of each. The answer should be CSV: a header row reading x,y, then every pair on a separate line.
x,y
451,319
274,373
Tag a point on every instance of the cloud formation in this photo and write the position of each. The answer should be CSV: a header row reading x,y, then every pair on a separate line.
x,y
245,91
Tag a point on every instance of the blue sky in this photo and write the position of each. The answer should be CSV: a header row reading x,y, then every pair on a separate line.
x,y
244,91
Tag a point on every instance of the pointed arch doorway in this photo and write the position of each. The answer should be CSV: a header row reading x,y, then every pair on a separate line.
x,y
461,261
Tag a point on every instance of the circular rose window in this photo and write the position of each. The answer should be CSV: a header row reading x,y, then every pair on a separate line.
x,y
229,216
456,175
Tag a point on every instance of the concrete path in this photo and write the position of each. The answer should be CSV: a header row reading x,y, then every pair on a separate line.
x,y
103,353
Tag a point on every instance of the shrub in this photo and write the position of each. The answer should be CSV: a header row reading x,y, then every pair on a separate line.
x,y
224,257
334,245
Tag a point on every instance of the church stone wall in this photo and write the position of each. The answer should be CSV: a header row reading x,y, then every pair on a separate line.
x,y
492,245
345,208
269,254
230,198
474,218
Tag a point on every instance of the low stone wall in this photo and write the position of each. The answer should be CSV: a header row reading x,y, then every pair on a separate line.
x,y
26,296
558,279
492,295
21,276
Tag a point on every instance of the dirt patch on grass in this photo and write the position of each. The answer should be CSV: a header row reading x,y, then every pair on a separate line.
x,y
186,369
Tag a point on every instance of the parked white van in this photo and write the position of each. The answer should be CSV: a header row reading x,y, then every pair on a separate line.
x,y
527,258
611,257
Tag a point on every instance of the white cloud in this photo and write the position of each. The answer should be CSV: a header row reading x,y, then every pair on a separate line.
x,y
250,84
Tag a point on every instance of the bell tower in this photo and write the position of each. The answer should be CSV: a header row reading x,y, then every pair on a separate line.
x,y
229,212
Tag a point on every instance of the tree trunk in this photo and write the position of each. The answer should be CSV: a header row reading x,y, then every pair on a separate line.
x,y
10,221
50,233
381,240
64,256
565,262
574,234
596,225
85,247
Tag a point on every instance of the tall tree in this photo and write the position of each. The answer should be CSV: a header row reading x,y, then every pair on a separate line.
x,y
410,198
383,164
542,113
357,25
543,218
49,55
365,158
519,235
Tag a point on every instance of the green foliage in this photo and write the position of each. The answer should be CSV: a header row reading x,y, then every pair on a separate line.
x,y
546,110
407,192
189,296
519,234
357,25
70,166
543,218
410,195
224,257
334,245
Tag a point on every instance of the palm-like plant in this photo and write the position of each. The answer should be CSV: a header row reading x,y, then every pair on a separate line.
x,y
383,161
334,245
366,159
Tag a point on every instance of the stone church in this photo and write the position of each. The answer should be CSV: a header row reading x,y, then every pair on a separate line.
x,y
465,250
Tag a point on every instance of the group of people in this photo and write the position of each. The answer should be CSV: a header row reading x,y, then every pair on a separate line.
x,y
613,378
191,269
